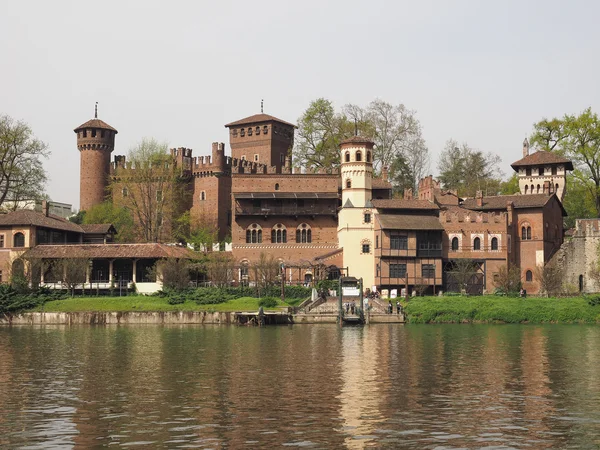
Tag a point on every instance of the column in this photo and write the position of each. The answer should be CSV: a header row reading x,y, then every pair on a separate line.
x,y
133,275
110,270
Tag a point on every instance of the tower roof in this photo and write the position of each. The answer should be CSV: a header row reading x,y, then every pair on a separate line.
x,y
95,123
258,118
540,158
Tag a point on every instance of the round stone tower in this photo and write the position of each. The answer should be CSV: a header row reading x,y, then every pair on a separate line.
x,y
95,141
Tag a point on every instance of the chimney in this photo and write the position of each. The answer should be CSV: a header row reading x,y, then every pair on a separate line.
x,y
525,148
479,198
45,207
384,173
408,194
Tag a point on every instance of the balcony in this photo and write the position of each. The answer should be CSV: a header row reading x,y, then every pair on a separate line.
x,y
286,210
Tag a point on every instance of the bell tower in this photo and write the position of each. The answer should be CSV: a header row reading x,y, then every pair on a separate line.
x,y
356,218
95,141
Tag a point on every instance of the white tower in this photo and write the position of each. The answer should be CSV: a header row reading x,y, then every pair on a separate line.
x,y
356,217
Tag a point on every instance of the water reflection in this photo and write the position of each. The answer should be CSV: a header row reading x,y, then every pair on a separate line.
x,y
312,386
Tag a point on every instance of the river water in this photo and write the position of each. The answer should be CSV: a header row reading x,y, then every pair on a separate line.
x,y
314,386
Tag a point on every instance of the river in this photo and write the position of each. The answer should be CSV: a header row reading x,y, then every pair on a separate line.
x,y
314,386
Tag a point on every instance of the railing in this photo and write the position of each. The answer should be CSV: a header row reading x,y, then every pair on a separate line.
x,y
285,210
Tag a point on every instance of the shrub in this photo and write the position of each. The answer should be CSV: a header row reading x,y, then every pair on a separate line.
x,y
594,301
268,302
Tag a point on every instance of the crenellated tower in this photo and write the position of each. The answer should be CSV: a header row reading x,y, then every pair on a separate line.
x,y
95,141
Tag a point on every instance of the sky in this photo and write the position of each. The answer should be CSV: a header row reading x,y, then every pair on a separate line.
x,y
480,72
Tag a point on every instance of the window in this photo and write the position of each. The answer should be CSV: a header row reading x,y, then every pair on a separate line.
x,y
265,129
376,241
454,244
398,242
366,248
125,192
368,156
538,189
397,270
254,234
477,244
347,157
556,187
281,158
541,171
358,156
242,132
528,276
94,132
528,171
554,170
428,270
84,133
526,233
367,217
256,157
244,270
19,240
303,234
526,189
159,219
257,130
278,234
159,196
494,243
276,186
243,157
348,183
250,131
234,132
203,195
1,241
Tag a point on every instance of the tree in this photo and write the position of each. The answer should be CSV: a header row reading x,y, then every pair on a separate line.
x,y
550,278
320,131
22,176
150,188
579,201
265,270
199,232
401,176
74,272
510,186
220,268
508,280
121,218
463,271
578,138
468,170
174,273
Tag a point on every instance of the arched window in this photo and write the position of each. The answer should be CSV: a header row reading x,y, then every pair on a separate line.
x,y
476,244
532,188
494,243
368,156
358,156
19,240
278,234
526,189
528,276
454,244
203,195
276,186
525,232
125,192
254,234
528,233
347,157
556,187
348,183
303,234
538,189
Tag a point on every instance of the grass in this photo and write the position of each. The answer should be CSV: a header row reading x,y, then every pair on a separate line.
x,y
492,309
146,303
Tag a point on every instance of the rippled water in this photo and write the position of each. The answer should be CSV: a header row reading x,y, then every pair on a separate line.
x,y
449,386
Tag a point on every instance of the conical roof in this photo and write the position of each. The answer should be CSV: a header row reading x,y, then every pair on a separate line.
x,y
95,123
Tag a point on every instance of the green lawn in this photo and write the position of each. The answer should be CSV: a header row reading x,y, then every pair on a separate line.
x,y
145,303
492,309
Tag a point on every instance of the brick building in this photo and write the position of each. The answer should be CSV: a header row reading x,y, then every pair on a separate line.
x,y
344,219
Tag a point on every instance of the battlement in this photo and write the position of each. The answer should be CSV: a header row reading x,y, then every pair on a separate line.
x,y
472,217
587,228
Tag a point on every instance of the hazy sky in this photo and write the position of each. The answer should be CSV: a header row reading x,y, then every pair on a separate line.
x,y
480,72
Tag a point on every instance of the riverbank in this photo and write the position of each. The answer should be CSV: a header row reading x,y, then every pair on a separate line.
x,y
493,309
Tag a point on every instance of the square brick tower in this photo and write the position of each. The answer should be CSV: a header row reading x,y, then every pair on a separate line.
x,y
262,139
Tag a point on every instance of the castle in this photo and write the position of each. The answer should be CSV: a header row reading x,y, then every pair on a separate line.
x,y
345,219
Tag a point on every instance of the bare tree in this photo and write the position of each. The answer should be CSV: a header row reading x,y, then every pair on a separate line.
x,y
22,176
550,278
175,273
266,271
74,272
508,280
220,268
463,271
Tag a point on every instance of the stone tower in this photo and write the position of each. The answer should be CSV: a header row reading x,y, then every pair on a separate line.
x,y
262,139
95,141
356,218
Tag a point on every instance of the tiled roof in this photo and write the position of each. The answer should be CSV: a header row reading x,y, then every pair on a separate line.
x,y
541,158
109,251
357,140
30,217
257,118
380,183
95,123
400,203
328,254
500,201
409,222
98,228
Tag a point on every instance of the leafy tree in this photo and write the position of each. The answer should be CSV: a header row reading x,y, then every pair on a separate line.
x,y
468,170
401,175
579,201
510,186
578,138
198,231
77,218
22,176
121,218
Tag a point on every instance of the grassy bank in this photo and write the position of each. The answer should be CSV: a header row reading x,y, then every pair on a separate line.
x,y
491,309
145,303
